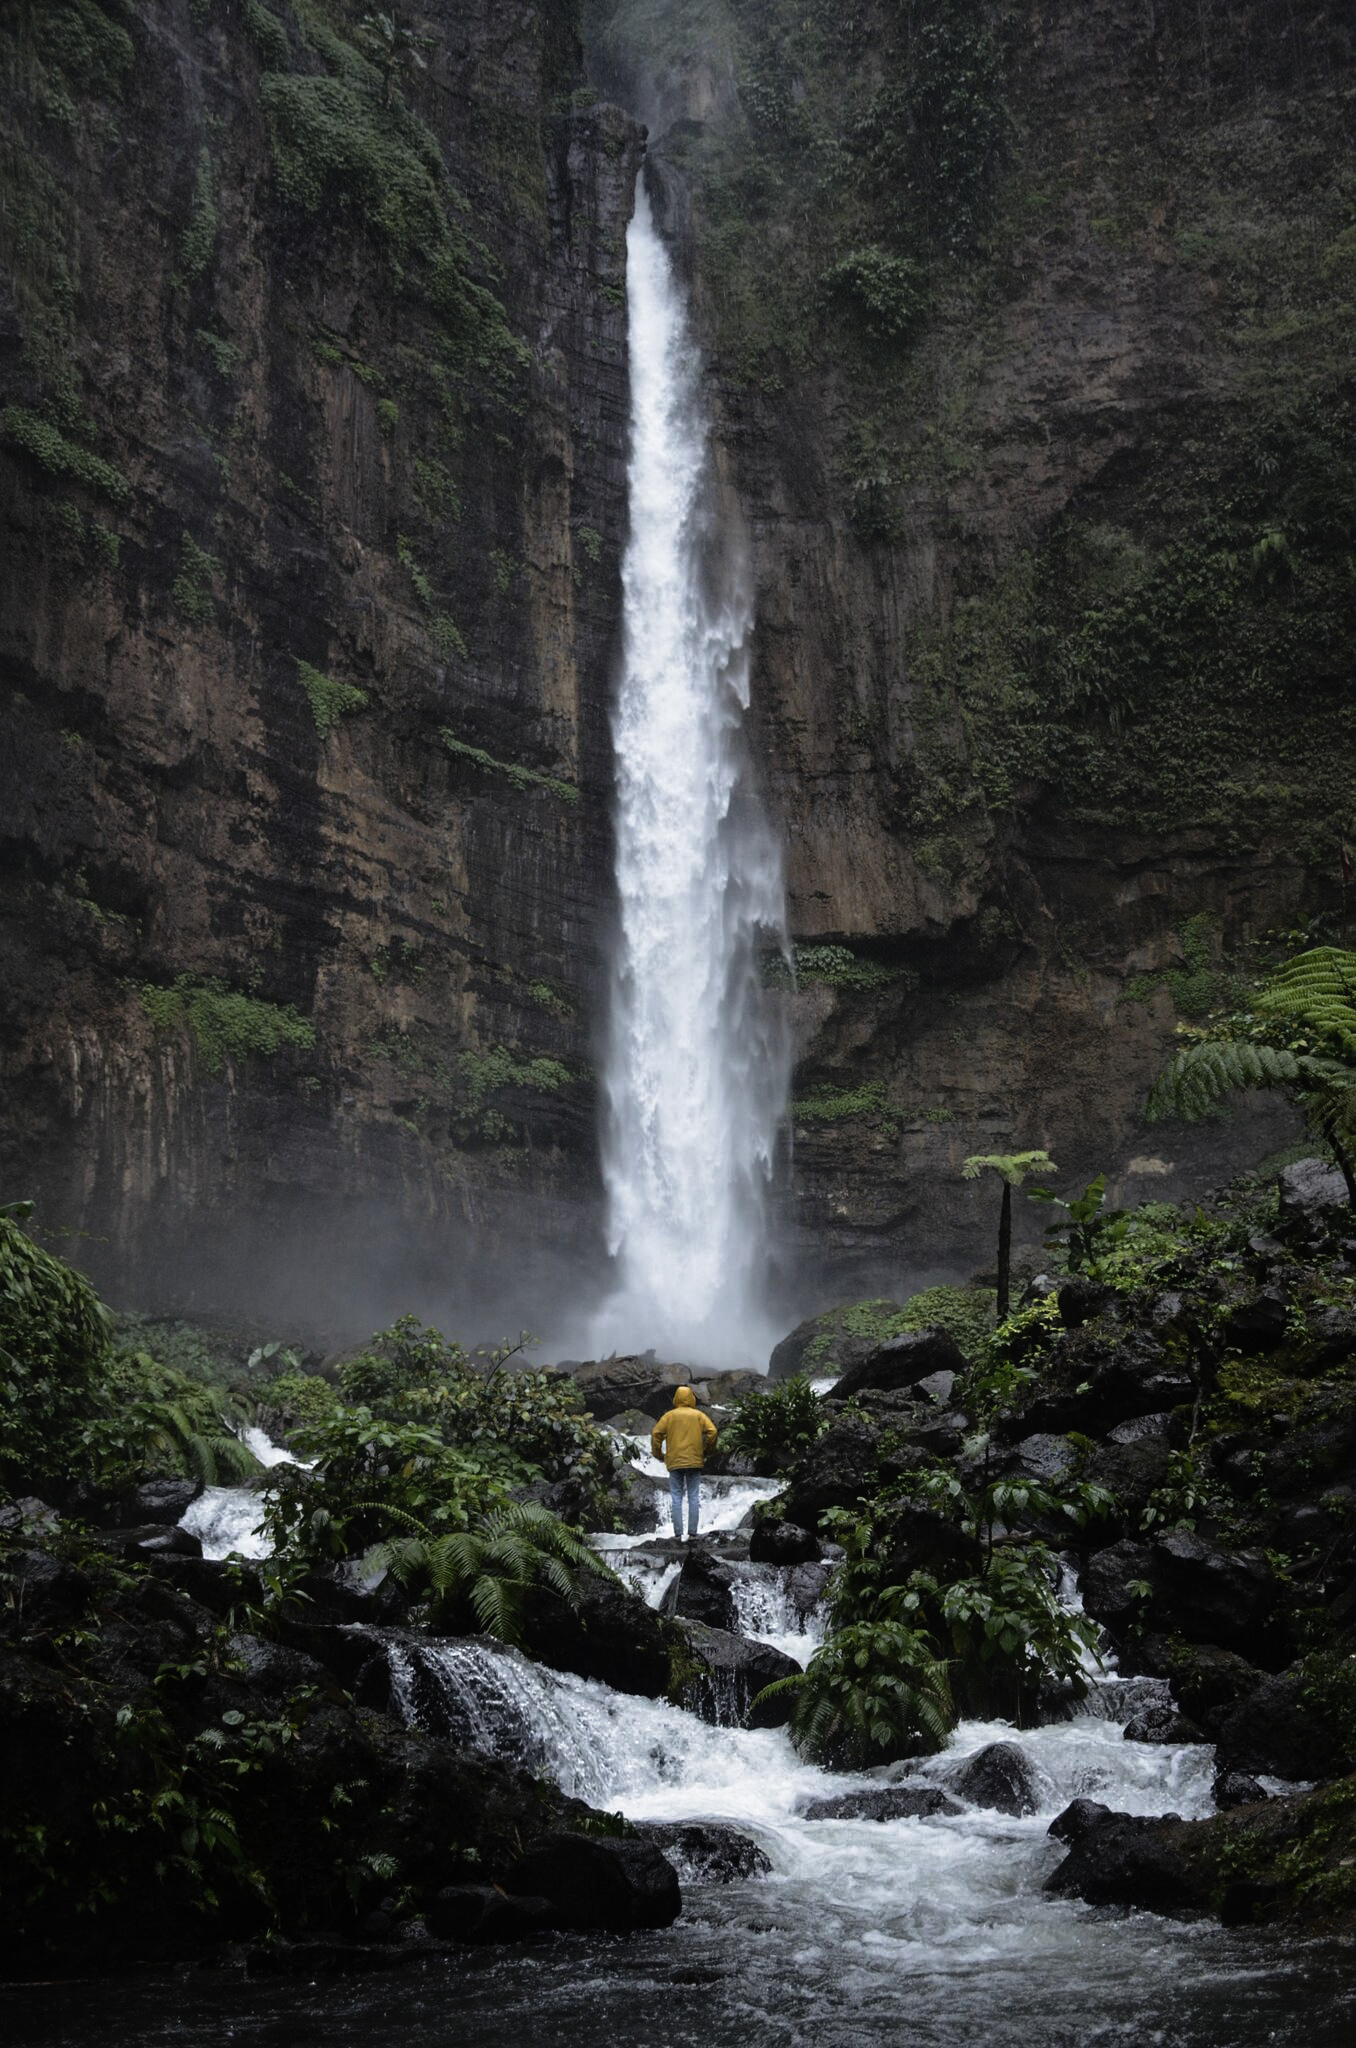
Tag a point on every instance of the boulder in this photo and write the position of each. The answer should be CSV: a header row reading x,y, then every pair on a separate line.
x,y
1140,1427
1131,1471
161,1500
595,1882
833,1341
1131,1860
273,1668
482,1912
841,1469
806,1586
1079,1818
999,1776
612,1635
1308,1192
728,1672
1040,1457
885,1802
707,1851
785,1543
1160,1721
704,1591
1080,1299
902,1362
1259,1325
1108,1579
45,1592
1208,1682
1212,1595
152,1538
1275,1732
608,1385
1103,1377
1236,1788
923,1539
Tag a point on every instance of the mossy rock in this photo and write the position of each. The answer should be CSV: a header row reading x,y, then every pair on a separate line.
x,y
843,1336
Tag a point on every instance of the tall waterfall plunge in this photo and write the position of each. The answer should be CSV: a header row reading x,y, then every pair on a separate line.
x,y
697,1066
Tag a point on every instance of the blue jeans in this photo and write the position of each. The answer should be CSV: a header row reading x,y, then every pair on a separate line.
x,y
687,1482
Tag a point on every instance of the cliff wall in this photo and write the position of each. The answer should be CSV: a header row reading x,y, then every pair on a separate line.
x,y
312,484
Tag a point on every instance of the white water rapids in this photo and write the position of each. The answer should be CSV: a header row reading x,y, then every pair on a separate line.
x,y
696,1069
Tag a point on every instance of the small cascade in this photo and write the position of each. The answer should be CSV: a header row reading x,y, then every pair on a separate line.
x,y
228,1520
766,1607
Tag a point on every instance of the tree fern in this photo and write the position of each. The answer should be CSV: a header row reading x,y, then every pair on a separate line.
x,y
1194,1080
1316,991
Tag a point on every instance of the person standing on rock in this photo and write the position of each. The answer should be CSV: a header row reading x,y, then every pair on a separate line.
x,y
683,1437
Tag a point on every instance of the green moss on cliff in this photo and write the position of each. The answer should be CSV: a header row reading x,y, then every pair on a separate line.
x,y
329,700
225,1023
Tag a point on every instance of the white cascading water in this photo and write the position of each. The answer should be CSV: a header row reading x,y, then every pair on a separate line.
x,y
696,1069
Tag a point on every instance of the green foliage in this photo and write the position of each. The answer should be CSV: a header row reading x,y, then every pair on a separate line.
x,y
484,1573
1298,1033
304,1397
775,1423
1086,1231
53,1337
1011,1167
197,243
875,1691
884,294
835,966
329,700
224,354
92,53
520,776
447,641
192,587
150,1418
1010,1635
432,1437
46,445
828,1105
225,1023
965,1313
267,34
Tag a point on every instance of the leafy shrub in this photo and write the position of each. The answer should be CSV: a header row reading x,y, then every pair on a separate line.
x,y
773,1424
329,700
191,590
53,1338
875,1691
46,445
883,294
152,1419
483,1574
225,1023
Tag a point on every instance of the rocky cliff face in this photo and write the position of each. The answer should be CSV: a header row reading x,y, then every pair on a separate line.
x,y
312,484
1026,343
1026,331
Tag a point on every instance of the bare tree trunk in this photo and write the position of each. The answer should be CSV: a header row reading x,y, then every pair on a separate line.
x,y
1005,1249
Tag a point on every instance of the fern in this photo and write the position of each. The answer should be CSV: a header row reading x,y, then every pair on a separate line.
x,y
492,1566
1316,991
1194,1080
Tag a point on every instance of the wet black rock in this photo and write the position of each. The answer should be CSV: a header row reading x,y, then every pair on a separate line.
x,y
1212,1595
1237,1788
885,1802
611,1384
1131,1471
923,1539
707,1851
1105,1377
806,1585
1040,1457
612,1635
1000,1777
822,1345
1208,1682
593,1882
1309,1193
728,1673
1080,1299
1111,1580
841,1469
1141,1426
902,1362
784,1543
43,1593
1258,1326
481,1912
1277,1732
273,1667
1131,1860
151,1538
1160,1721
704,1591
1079,1818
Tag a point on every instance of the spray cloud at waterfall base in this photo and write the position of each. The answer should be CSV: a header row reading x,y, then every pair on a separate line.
x,y
696,1067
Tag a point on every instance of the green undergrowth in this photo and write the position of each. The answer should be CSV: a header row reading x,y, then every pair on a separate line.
x,y
330,701
829,1105
53,451
514,772
226,1025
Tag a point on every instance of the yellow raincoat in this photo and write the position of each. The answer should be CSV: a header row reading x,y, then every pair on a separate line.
x,y
683,1435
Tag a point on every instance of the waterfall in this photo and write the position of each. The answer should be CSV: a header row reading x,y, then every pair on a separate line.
x,y
696,1067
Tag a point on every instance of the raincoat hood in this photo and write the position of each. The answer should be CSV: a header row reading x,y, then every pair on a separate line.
x,y
683,1436
684,1398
